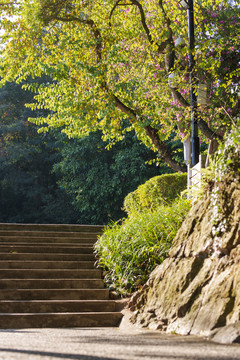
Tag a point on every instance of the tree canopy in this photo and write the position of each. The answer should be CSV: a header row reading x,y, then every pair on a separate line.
x,y
49,178
112,60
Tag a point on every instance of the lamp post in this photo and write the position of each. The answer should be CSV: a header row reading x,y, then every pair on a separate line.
x,y
195,148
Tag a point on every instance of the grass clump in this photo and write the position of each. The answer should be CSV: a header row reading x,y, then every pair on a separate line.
x,y
129,250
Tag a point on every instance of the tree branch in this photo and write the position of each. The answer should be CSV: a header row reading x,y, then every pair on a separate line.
x,y
165,154
170,51
152,133
205,129
169,63
94,28
203,126
112,11
143,20
178,96
117,4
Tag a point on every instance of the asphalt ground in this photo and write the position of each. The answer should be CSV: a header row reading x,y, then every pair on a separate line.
x,y
108,344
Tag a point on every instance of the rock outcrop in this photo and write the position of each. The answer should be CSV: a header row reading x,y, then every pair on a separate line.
x,y
197,289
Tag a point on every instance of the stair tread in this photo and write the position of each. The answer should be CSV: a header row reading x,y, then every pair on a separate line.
x,y
48,278
46,261
57,313
2,271
59,301
46,233
12,284
47,245
52,227
47,249
54,290
45,256
46,264
70,280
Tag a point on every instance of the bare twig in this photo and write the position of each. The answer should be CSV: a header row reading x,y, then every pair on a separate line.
x,y
230,117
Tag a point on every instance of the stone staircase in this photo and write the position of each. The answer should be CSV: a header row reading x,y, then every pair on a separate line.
x,y
48,279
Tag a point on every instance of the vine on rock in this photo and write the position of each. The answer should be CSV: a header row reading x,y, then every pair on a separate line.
x,y
227,171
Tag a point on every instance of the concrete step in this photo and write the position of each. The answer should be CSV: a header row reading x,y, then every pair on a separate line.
x,y
45,240
47,256
47,249
54,294
25,264
97,229
51,284
50,274
45,306
42,245
48,279
60,320
48,234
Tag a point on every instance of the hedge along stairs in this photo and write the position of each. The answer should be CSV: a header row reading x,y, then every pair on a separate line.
x,y
48,279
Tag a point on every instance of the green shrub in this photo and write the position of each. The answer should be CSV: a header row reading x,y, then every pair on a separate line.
x,y
159,190
130,250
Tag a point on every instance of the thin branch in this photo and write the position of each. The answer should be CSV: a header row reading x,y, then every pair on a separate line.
x,y
111,13
143,20
117,4
162,8
163,45
170,54
230,117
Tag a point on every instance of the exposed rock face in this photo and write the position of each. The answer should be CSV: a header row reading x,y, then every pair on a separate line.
x,y
197,289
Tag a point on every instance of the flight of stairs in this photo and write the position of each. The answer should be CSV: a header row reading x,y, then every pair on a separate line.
x,y
48,279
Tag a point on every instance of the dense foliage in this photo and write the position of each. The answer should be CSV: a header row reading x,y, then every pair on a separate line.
x,y
112,60
159,190
129,250
98,179
50,178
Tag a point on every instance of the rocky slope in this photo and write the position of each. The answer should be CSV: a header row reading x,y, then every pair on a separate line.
x,y
197,289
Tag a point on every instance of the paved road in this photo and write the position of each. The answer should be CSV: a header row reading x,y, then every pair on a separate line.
x,y
108,344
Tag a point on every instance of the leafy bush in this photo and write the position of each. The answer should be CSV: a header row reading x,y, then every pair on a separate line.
x,y
159,190
129,250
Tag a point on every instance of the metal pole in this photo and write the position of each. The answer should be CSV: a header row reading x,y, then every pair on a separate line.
x,y
195,148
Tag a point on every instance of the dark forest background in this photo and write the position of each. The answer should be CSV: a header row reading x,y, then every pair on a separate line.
x,y
49,178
